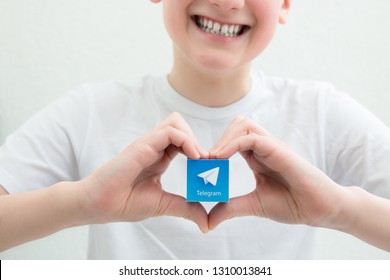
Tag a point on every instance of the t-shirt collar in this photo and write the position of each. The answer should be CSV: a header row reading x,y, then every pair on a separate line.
x,y
177,102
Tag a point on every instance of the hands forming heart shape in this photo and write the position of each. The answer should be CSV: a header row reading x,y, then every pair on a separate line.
x,y
288,189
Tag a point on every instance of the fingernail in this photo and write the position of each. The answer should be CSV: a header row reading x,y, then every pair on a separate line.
x,y
213,153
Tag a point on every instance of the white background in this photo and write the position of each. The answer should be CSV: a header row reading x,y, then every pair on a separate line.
x,y
48,47
279,270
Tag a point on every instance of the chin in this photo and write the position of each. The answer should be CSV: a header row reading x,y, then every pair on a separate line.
x,y
213,63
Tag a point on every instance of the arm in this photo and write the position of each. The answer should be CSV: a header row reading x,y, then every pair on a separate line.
x,y
127,188
369,217
28,216
291,190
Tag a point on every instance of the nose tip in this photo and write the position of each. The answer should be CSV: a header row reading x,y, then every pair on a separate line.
x,y
228,4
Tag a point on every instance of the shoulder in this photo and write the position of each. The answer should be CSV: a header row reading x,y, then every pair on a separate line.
x,y
90,106
341,118
300,90
334,106
108,96
111,91
302,99
323,106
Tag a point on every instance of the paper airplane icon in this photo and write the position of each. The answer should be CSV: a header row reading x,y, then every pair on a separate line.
x,y
210,176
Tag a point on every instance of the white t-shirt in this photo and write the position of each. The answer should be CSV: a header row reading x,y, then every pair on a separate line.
x,y
73,136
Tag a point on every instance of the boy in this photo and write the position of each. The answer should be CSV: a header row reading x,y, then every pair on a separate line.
x,y
72,163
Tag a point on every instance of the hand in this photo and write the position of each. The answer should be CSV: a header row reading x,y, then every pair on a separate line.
x,y
288,188
128,188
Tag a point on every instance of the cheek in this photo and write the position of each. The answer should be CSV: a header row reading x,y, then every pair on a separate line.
x,y
267,20
175,16
266,11
175,9
261,38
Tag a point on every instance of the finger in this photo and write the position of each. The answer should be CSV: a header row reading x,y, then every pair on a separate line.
x,y
181,140
177,121
239,126
177,206
276,156
148,149
263,146
247,205
228,135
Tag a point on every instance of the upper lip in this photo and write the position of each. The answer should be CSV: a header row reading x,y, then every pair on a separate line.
x,y
222,22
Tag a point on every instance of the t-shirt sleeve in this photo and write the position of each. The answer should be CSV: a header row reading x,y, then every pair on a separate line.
x,y
357,145
43,151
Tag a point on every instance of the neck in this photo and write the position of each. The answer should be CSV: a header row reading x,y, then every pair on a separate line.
x,y
210,88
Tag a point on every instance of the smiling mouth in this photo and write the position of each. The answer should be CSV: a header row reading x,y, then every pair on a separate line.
x,y
222,29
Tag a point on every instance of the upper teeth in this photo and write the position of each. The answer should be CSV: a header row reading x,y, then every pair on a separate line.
x,y
217,28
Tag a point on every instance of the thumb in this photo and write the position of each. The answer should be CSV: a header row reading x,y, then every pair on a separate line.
x,y
236,207
177,206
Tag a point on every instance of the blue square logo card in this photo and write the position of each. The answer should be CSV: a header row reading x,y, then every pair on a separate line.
x,y
208,180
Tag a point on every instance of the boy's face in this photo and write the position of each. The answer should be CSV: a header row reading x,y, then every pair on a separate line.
x,y
221,34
